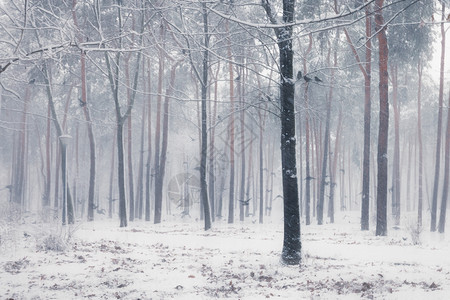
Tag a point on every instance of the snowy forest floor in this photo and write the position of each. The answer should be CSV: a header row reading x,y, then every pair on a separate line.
x,y
178,260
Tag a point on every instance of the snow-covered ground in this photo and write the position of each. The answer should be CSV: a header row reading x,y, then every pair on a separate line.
x,y
178,260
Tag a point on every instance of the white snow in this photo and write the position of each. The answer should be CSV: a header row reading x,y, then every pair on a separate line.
x,y
178,260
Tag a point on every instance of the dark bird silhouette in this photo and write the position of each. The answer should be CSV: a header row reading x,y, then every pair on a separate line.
x,y
238,78
309,178
317,79
32,81
299,75
307,79
245,202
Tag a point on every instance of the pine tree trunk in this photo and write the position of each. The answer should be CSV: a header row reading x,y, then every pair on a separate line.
x,y
121,177
242,133
396,158
111,179
323,174
439,127
140,179
419,137
308,177
261,168
367,120
231,128
48,164
87,116
382,160
158,187
212,161
446,183
148,176
203,185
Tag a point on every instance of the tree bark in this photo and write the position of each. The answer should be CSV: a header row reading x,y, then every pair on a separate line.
x,y
87,116
203,185
396,158
419,137
158,190
439,126
111,179
140,179
148,176
291,241
383,129
446,182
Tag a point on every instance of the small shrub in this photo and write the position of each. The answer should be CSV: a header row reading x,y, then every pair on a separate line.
x,y
57,238
14,267
415,231
52,242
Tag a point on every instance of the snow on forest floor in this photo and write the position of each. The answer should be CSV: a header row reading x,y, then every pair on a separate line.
x,y
176,260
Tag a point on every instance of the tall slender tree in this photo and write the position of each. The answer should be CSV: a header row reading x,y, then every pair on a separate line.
x,y
437,161
383,86
291,210
446,183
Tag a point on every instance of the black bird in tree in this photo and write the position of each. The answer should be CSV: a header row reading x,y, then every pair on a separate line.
x,y
307,79
245,202
317,79
299,75
32,81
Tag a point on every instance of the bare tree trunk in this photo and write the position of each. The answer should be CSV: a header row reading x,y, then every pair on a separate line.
x,y
131,199
113,75
111,179
446,183
291,242
87,116
159,181
48,177
212,161
439,126
140,179
231,128
419,137
333,181
396,160
242,116
261,167
308,177
323,174
203,185
148,177
307,163
158,190
367,120
59,131
380,28
408,182
121,177
18,164
249,179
